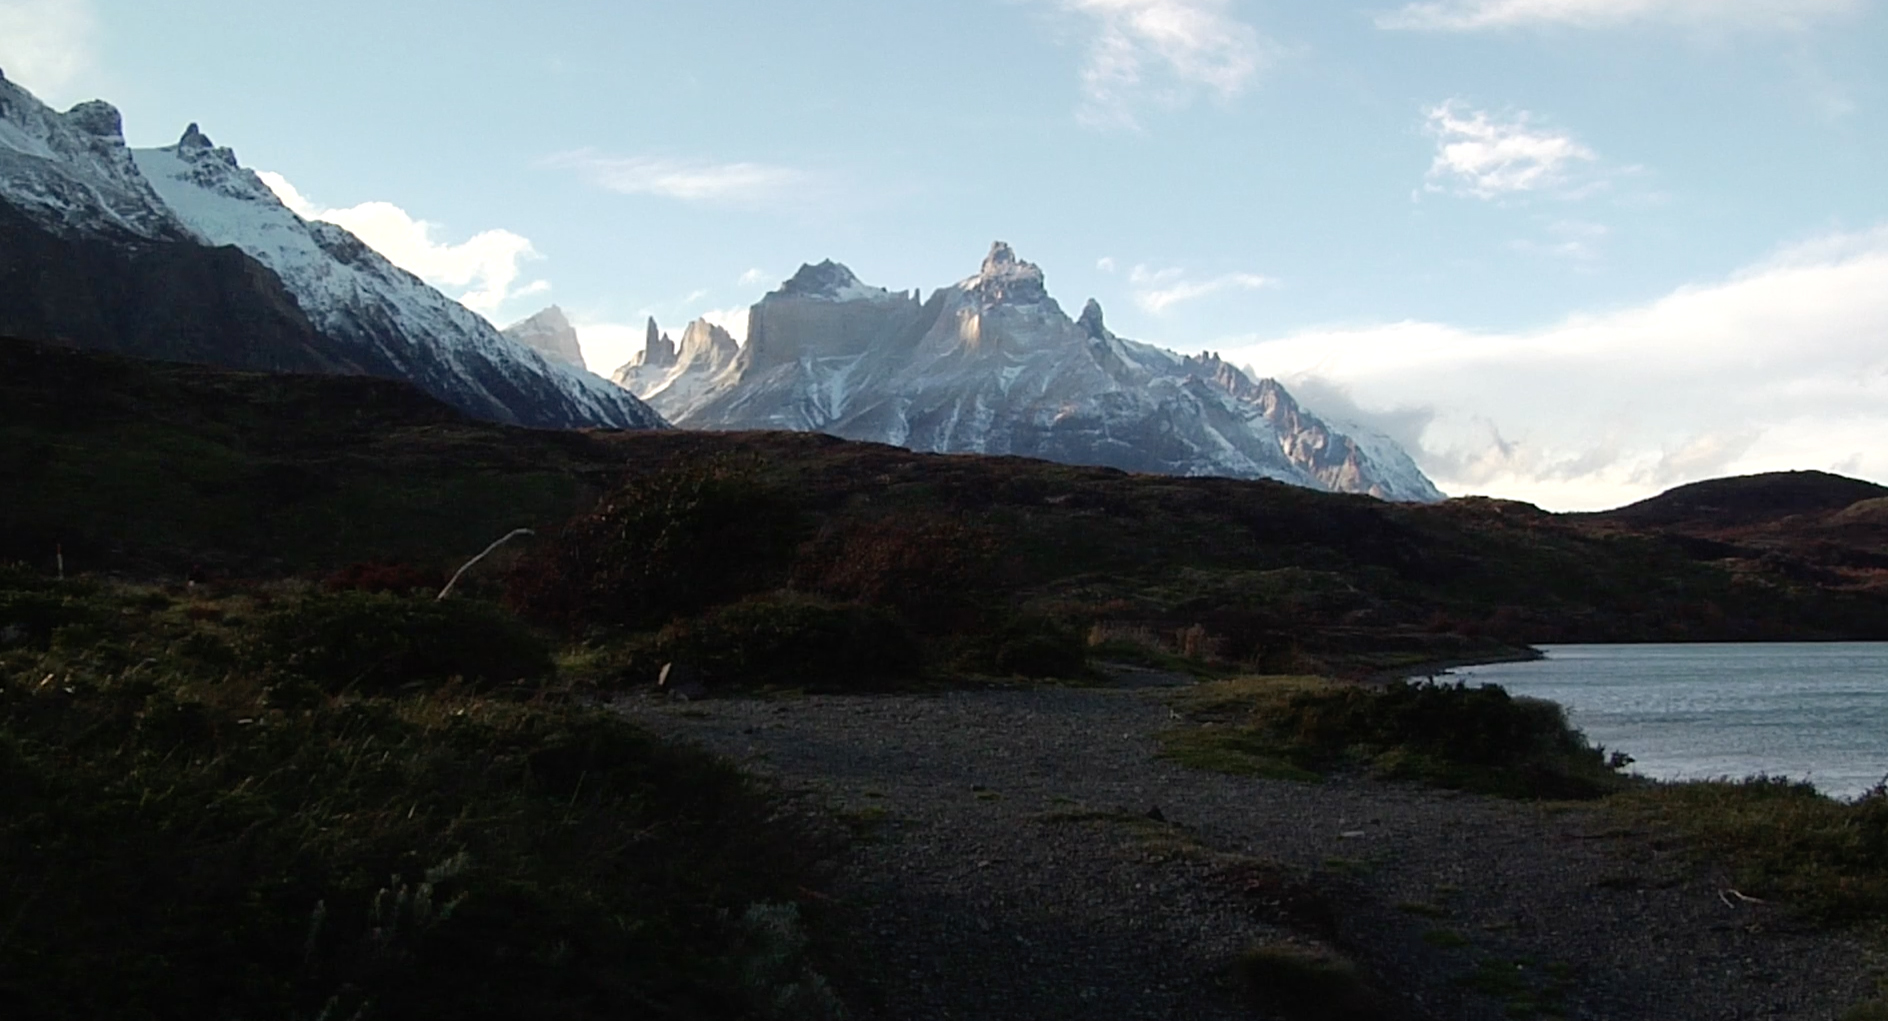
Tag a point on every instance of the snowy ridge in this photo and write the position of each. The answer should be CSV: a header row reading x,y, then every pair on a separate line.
x,y
993,365
71,174
353,292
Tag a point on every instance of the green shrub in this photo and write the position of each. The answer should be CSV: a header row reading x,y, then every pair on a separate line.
x,y
1032,646
364,642
1306,984
792,640
663,546
31,617
934,571
1479,738
175,843
1785,840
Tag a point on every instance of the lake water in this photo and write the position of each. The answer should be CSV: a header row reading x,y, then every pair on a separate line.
x,y
1816,712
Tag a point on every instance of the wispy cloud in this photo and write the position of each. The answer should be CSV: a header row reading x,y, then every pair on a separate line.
x,y
1577,241
1776,367
1490,157
1157,291
1481,15
1163,52
684,180
489,263
46,45
755,277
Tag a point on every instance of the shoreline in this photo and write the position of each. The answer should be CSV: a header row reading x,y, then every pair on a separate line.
x,y
1436,669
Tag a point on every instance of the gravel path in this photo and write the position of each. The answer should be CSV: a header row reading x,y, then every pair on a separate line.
x,y
1025,855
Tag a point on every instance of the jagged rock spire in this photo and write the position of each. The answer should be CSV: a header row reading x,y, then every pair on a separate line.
x,y
1007,279
194,138
658,350
1091,321
97,118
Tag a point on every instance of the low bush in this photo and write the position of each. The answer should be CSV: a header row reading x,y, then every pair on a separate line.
x,y
399,579
1785,840
173,843
793,641
366,643
936,572
1031,646
662,546
31,617
1303,983
1455,736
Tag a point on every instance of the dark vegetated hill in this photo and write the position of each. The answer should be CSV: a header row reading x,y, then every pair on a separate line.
x,y
149,467
1809,528
169,299
1747,500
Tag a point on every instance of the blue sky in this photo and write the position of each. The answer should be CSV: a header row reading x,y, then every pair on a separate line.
x,y
1570,251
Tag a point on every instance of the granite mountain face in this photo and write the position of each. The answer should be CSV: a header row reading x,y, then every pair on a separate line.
x,y
992,365
182,253
551,335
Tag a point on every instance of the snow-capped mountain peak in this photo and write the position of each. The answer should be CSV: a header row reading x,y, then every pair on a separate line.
x,y
993,365
681,373
404,327
830,281
72,173
70,176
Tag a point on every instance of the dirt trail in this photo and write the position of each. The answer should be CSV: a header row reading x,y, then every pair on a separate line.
x,y
1027,856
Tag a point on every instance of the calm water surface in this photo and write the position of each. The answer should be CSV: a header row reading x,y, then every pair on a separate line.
x,y
1693,712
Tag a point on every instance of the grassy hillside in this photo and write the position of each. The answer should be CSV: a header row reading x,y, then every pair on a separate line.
x,y
149,469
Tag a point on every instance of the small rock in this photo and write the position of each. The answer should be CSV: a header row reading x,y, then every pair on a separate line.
x,y
1156,814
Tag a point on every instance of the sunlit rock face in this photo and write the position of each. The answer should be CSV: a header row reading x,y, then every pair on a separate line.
x,y
549,333
993,365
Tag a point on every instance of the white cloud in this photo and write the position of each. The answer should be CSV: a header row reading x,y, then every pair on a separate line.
x,y
608,346
1166,51
733,320
1105,264
45,45
1478,15
1158,290
1779,367
488,263
1487,157
684,180
755,277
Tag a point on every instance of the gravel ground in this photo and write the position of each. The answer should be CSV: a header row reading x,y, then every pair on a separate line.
x,y
1024,854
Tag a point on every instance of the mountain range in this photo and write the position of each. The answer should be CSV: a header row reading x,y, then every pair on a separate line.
x,y
992,365
182,253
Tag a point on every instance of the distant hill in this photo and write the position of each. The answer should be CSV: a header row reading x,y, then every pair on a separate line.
x,y
1748,500
151,468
